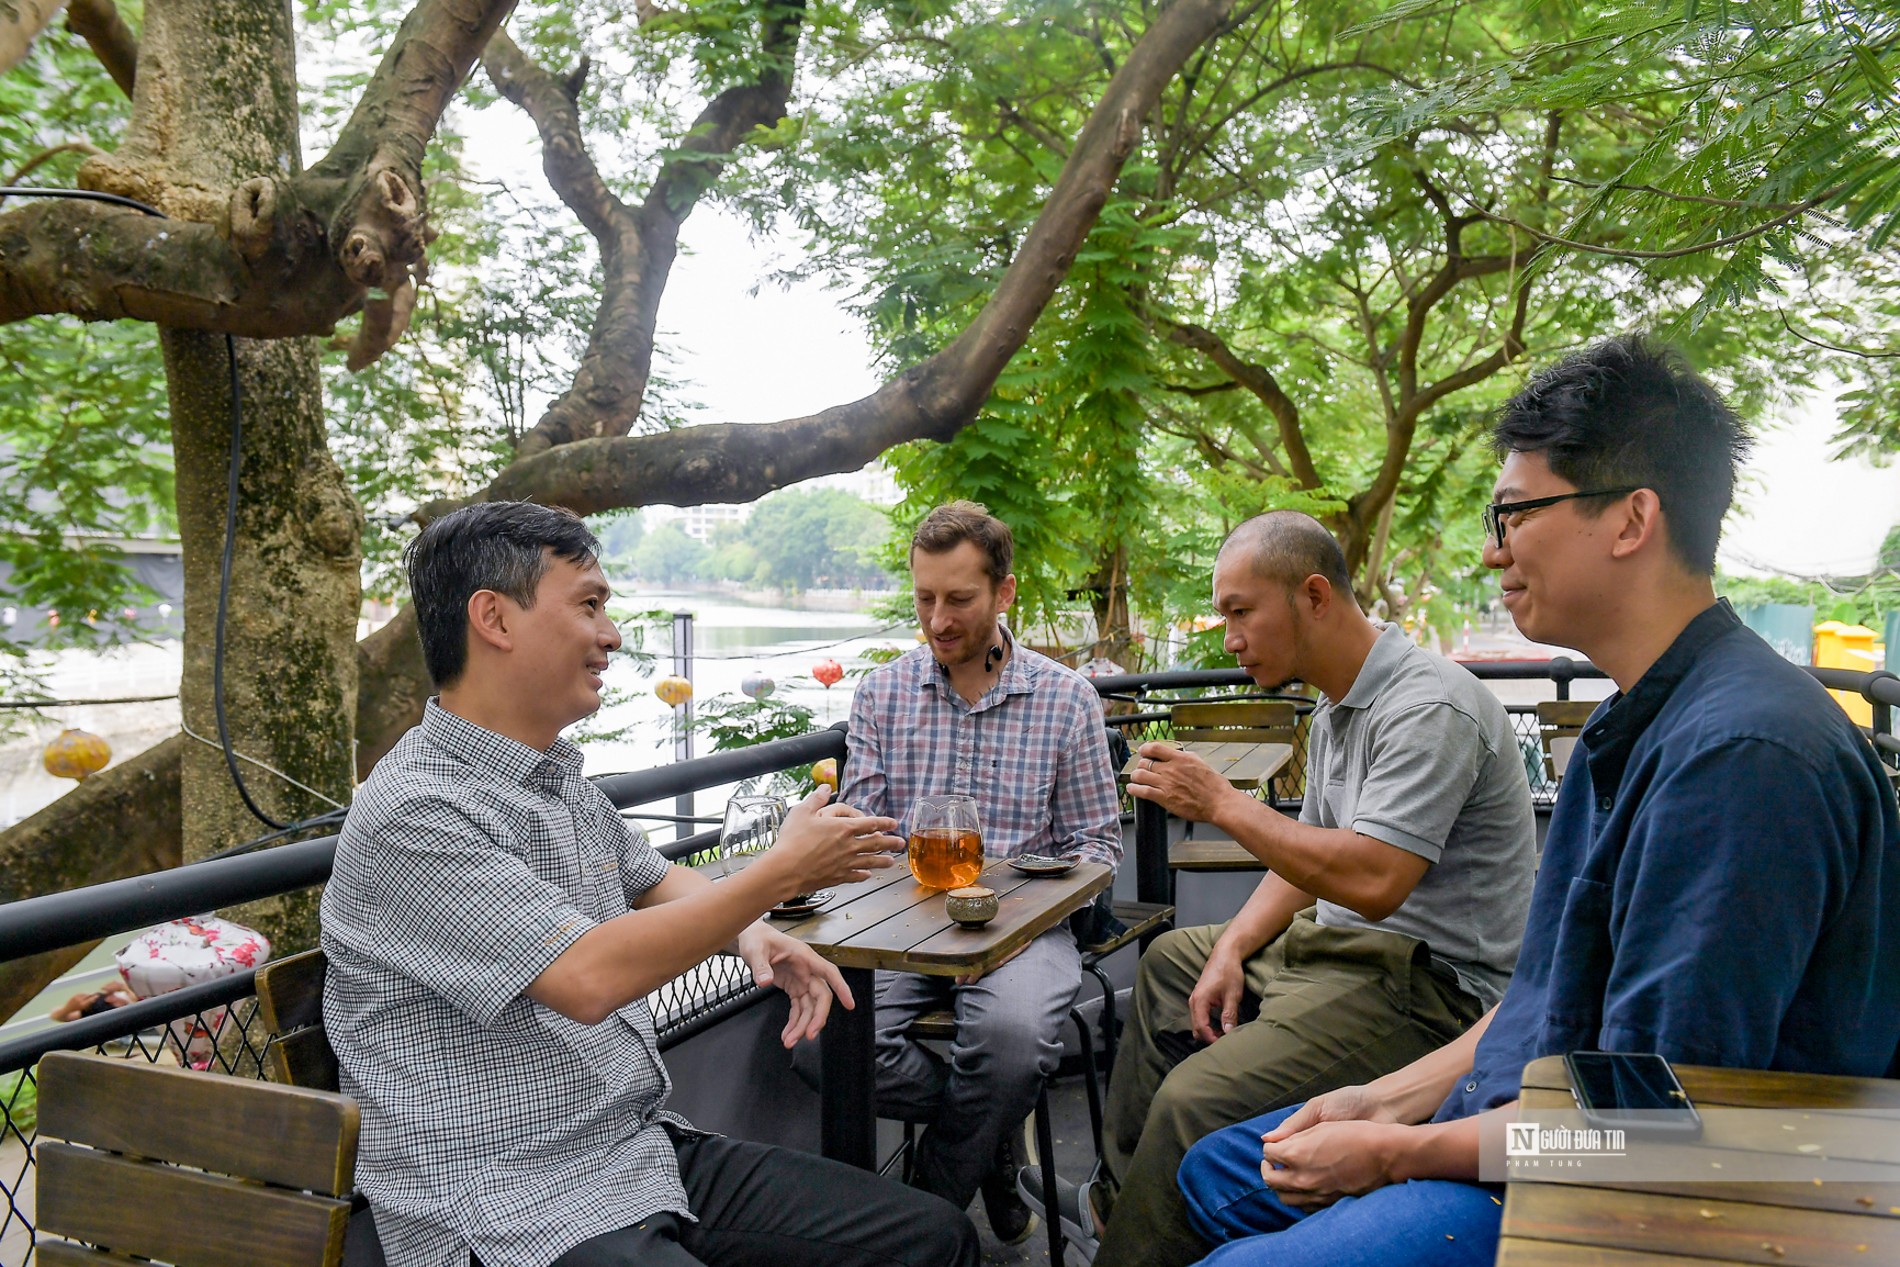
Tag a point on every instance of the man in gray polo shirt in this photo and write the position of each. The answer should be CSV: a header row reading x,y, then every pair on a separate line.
x,y
1389,920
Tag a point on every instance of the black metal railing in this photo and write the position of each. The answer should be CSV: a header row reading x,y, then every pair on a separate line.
x,y
157,1029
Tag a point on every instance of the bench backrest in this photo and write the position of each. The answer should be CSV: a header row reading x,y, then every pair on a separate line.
x,y
290,999
188,1167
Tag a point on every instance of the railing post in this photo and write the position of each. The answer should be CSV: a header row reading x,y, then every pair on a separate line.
x,y
1562,670
1883,711
683,720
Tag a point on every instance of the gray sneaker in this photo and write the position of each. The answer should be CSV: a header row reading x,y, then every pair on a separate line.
x,y
1072,1208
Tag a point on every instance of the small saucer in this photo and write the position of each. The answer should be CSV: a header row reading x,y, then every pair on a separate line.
x,y
805,906
1039,864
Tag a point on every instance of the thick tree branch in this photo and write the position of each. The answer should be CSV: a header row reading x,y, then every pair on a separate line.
x,y
569,168
1259,380
20,22
104,263
933,400
637,246
99,24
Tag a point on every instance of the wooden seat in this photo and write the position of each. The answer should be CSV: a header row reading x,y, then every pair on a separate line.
x,y
290,999
189,1167
1559,722
1243,721
1211,853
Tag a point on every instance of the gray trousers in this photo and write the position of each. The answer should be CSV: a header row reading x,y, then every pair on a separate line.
x,y
1009,1038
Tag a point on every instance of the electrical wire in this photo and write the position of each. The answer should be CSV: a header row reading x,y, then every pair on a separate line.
x,y
230,527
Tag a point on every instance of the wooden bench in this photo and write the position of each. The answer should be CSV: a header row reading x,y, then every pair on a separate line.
x,y
1242,721
1694,1222
188,1167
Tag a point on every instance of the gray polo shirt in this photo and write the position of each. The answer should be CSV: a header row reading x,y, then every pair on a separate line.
x,y
1420,755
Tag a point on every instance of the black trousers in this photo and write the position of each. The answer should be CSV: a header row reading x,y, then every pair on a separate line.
x,y
760,1206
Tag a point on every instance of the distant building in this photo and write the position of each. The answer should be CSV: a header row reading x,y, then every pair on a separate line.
x,y
697,522
874,484
153,561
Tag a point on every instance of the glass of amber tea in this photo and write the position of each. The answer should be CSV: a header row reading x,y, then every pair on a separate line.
x,y
946,844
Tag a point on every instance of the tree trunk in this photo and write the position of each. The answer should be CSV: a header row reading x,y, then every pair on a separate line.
x,y
199,130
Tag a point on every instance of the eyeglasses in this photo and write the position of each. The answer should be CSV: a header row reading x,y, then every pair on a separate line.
x,y
1497,512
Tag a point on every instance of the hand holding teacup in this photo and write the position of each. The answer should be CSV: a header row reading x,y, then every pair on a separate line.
x,y
1178,781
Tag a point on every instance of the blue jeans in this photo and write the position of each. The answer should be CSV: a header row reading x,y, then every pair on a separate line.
x,y
1422,1223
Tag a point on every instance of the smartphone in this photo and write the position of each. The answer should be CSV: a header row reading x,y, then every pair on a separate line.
x,y
1633,1092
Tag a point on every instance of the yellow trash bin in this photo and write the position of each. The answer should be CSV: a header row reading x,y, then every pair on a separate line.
x,y
1839,646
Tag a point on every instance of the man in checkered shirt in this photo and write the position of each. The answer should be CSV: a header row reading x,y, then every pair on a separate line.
x,y
493,929
976,713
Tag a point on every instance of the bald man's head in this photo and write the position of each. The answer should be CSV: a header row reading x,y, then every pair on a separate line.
x,y
1286,546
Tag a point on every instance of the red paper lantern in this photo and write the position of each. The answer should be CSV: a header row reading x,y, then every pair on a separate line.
x,y
830,672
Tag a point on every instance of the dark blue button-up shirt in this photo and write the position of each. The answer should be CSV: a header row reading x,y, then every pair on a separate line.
x,y
1720,882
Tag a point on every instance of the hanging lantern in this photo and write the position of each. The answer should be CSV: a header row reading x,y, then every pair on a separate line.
x,y
757,685
74,754
673,691
830,672
826,772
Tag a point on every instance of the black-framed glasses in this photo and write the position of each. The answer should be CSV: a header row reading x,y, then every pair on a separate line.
x,y
1497,512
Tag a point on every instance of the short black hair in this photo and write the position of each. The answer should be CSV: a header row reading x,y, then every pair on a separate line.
x,y
500,546
1288,546
1630,413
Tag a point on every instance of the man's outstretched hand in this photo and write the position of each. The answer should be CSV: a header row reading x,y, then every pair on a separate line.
x,y
808,980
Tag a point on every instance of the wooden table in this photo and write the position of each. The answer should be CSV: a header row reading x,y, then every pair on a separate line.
x,y
890,921
1700,1222
1245,765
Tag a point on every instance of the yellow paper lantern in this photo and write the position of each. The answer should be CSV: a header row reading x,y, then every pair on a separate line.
x,y
673,691
74,754
826,772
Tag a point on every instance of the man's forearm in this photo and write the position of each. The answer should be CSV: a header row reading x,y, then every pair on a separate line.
x,y
680,923
1267,913
1333,863
1444,1150
1414,1092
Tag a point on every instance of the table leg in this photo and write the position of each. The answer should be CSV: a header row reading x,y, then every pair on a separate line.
x,y
847,1054
1153,880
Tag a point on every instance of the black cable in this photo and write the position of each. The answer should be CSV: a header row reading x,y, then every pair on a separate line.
x,y
230,519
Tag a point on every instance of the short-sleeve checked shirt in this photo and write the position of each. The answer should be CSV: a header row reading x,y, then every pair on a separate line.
x,y
491,1124
1033,752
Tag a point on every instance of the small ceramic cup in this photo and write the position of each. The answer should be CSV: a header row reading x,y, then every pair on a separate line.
x,y
971,907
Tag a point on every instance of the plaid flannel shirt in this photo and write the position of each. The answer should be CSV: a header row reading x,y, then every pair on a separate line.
x,y
1033,752
491,1123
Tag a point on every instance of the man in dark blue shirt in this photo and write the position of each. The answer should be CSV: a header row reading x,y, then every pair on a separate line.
x,y
1721,877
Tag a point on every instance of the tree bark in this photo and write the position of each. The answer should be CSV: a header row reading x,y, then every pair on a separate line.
x,y
289,659
112,42
20,22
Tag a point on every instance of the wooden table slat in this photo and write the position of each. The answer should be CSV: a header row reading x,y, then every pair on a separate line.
x,y
1211,854
923,939
1022,915
1867,1144
1699,1226
1751,1088
1516,1252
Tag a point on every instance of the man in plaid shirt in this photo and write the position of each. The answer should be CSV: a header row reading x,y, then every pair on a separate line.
x,y
493,929
974,712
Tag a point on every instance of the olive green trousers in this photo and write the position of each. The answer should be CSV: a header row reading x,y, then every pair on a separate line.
x,y
1322,1008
